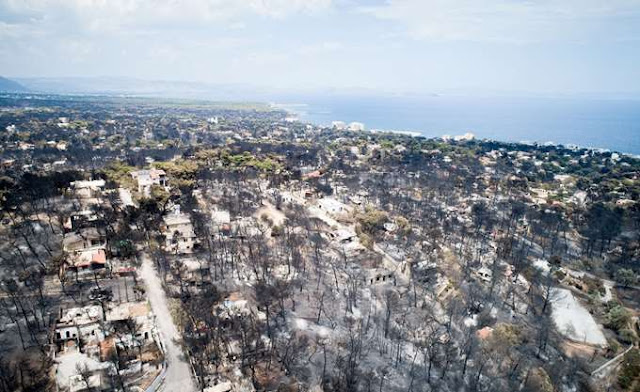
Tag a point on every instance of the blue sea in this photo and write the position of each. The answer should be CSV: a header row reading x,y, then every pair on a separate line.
x,y
596,123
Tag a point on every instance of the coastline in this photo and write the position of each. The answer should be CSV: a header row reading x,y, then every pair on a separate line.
x,y
578,136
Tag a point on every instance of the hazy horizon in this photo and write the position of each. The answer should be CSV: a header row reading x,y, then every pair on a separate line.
x,y
105,84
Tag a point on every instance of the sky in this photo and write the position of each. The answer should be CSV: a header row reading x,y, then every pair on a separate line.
x,y
397,46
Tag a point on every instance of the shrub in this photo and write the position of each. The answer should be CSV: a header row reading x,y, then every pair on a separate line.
x,y
365,240
539,381
626,277
617,317
277,231
404,226
509,334
372,220
560,275
630,369
627,336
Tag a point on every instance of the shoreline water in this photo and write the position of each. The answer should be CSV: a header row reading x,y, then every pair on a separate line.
x,y
594,125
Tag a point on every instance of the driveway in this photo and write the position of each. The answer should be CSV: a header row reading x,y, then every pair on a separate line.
x,y
178,376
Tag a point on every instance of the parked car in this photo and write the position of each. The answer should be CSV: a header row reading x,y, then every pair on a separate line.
x,y
100,295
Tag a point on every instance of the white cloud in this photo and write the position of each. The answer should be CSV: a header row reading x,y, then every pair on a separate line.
x,y
321,48
111,15
502,20
281,8
266,58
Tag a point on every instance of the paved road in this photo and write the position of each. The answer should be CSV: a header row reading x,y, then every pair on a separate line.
x,y
178,377
599,372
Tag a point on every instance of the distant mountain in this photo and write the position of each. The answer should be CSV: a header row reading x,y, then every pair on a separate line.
x,y
9,85
147,88
185,89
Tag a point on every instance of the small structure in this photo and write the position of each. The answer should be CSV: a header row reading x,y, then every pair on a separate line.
x,y
314,174
484,274
355,199
379,276
68,379
390,227
84,239
221,387
86,250
344,236
484,333
625,202
76,324
147,178
87,260
244,227
234,304
195,271
332,206
339,125
87,189
356,126
80,219
540,196
443,286
179,235
139,313
88,337
220,219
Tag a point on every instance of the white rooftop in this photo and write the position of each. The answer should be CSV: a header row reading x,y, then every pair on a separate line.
x,y
177,219
81,315
222,387
67,366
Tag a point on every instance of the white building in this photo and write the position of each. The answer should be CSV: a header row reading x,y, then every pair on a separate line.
x,y
356,126
220,219
179,234
225,386
466,137
332,206
339,125
87,189
484,274
379,276
79,323
148,178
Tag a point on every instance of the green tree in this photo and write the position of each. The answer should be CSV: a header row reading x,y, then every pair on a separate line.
x,y
539,381
625,276
372,220
618,317
630,369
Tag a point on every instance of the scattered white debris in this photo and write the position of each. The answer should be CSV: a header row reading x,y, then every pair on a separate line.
x,y
608,291
471,321
542,265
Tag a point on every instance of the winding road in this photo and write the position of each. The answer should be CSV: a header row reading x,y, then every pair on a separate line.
x,y
178,375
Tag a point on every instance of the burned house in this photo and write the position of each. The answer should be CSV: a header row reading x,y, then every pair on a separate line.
x,y
87,189
86,252
147,178
180,237
380,276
